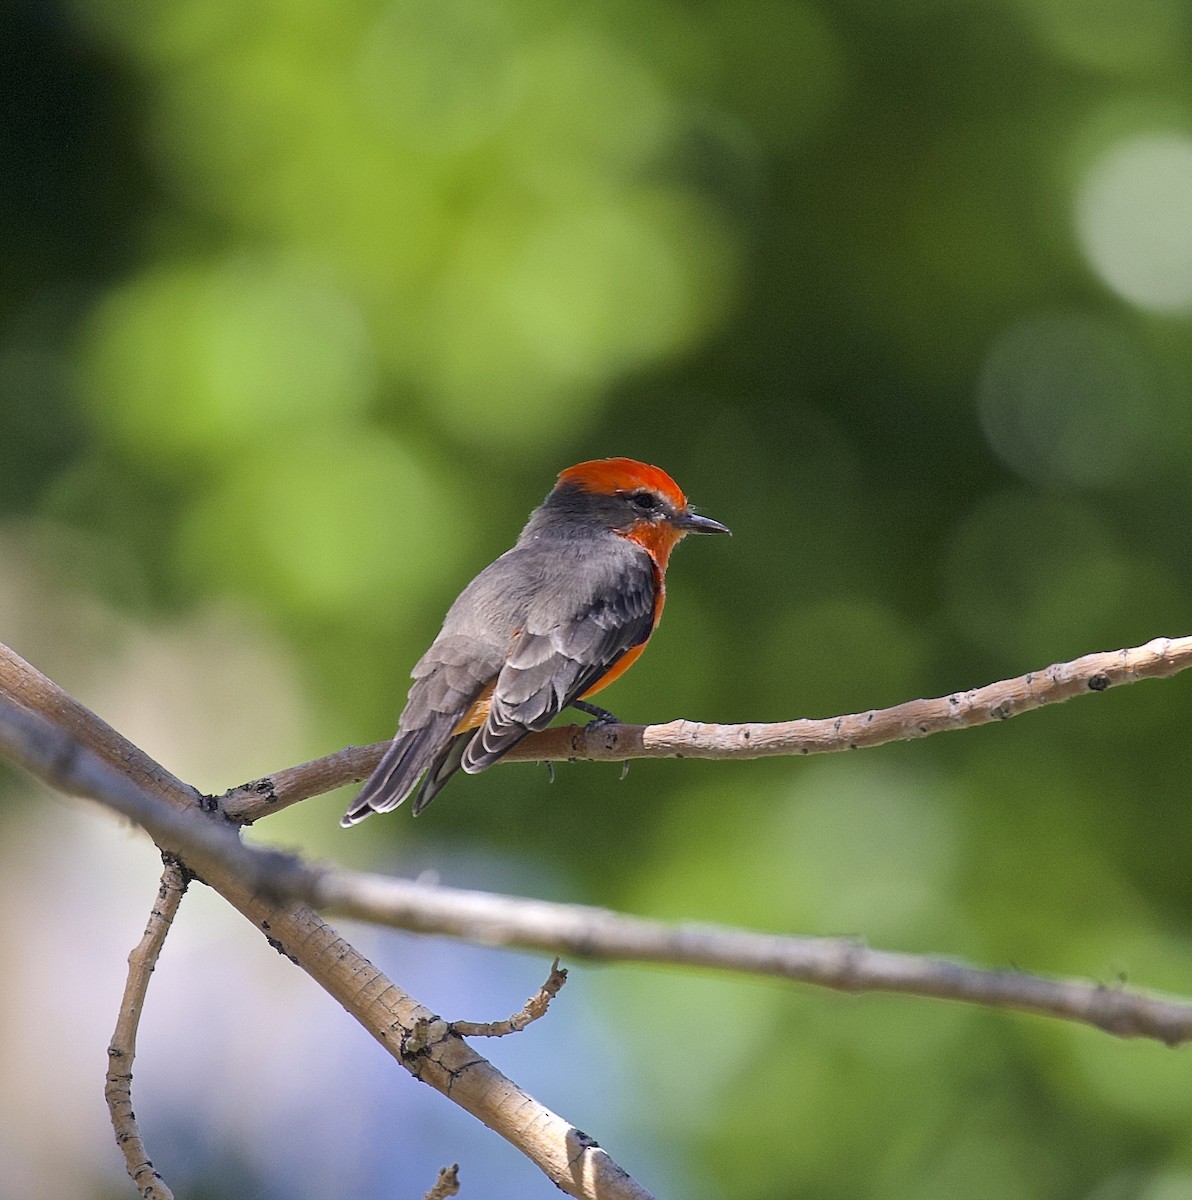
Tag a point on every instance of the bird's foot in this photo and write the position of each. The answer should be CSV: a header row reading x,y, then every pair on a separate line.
x,y
601,715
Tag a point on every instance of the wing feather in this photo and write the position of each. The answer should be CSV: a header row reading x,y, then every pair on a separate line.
x,y
553,662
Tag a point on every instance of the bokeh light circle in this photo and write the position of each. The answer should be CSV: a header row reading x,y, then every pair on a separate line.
x,y
1134,219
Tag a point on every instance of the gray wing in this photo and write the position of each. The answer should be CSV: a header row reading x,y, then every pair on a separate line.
x,y
571,639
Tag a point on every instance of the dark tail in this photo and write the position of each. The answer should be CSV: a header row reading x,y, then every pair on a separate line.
x,y
442,769
430,748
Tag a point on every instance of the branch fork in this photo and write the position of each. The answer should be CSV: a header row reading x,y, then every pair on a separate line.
x,y
58,740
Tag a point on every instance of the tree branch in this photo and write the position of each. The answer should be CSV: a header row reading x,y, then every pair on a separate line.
x,y
123,1048
842,964
419,1040
26,686
207,843
256,881
999,701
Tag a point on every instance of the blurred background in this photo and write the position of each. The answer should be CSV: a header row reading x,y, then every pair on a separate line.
x,y
302,307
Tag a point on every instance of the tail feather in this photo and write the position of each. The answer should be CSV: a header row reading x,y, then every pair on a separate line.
x,y
410,753
442,769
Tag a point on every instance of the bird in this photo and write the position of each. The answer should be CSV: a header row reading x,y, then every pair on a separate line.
x,y
556,618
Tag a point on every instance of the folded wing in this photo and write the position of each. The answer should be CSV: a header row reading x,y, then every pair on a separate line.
x,y
557,658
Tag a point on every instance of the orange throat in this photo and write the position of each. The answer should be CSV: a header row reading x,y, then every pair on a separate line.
x,y
656,540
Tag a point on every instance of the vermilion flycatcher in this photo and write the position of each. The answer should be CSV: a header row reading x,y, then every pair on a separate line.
x,y
552,621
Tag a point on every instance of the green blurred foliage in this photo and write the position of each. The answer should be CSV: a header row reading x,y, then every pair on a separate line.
x,y
303,306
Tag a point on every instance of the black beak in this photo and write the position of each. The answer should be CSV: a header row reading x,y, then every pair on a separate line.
x,y
690,522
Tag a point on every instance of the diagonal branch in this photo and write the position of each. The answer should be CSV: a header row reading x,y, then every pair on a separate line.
x,y
25,685
123,1048
419,1040
57,758
1089,675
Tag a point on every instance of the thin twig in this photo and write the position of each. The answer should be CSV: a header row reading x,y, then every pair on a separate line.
x,y
123,1048
999,701
529,1012
446,1185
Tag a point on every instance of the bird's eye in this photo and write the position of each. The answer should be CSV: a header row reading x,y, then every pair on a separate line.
x,y
645,502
